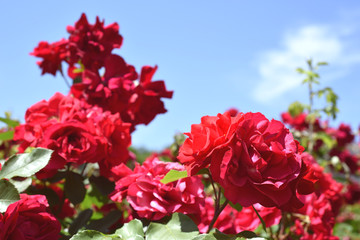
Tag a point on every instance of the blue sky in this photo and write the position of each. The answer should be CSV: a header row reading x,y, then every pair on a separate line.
x,y
213,55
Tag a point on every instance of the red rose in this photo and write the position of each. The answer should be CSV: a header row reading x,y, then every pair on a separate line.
x,y
145,103
29,219
154,200
343,134
73,142
92,43
52,54
255,160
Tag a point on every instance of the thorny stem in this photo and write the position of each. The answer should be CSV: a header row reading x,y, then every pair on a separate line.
x,y
217,197
283,222
216,215
65,79
218,208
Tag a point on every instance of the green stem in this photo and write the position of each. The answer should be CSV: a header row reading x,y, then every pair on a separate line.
x,y
216,215
218,208
311,102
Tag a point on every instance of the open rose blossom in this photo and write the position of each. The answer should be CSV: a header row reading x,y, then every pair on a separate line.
x,y
29,219
255,160
152,199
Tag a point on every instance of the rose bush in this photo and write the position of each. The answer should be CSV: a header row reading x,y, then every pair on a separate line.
x,y
255,179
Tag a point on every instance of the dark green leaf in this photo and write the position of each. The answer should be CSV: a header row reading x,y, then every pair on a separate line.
x,y
261,220
236,206
180,227
106,222
247,234
5,136
74,188
80,221
26,164
8,194
244,234
173,175
104,185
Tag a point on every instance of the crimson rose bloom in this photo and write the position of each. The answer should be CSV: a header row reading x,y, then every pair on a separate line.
x,y
255,160
29,219
52,54
92,43
152,199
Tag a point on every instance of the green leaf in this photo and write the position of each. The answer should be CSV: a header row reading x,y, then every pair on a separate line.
x,y
322,63
5,136
10,122
180,227
74,188
261,220
236,206
295,109
132,230
94,235
173,175
80,221
8,194
26,164
300,70
327,139
204,237
21,185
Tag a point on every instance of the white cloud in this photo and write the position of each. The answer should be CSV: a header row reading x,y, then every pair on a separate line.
x,y
277,67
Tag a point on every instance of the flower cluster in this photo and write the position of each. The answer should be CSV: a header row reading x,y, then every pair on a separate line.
x,y
77,132
88,53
